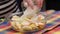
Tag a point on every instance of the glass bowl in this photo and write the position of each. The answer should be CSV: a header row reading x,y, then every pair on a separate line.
x,y
17,25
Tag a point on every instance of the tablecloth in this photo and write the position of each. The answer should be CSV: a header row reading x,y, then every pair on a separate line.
x,y
52,25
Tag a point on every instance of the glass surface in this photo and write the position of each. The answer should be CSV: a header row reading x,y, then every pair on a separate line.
x,y
17,28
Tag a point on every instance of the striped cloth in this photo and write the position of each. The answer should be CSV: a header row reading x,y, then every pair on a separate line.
x,y
51,24
7,7
56,15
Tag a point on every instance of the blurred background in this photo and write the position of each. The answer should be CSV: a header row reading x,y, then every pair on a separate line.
x,y
53,4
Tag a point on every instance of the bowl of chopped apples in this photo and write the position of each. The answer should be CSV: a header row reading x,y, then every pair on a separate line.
x,y
25,23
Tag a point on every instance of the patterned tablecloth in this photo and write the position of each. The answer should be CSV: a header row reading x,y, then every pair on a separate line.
x,y
52,26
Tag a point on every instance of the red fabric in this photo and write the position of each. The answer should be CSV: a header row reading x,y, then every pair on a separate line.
x,y
4,26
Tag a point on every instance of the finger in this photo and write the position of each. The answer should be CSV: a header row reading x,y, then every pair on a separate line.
x,y
30,3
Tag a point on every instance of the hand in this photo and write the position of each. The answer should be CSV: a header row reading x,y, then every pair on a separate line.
x,y
37,2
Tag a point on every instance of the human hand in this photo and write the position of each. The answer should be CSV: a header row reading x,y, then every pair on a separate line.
x,y
32,3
